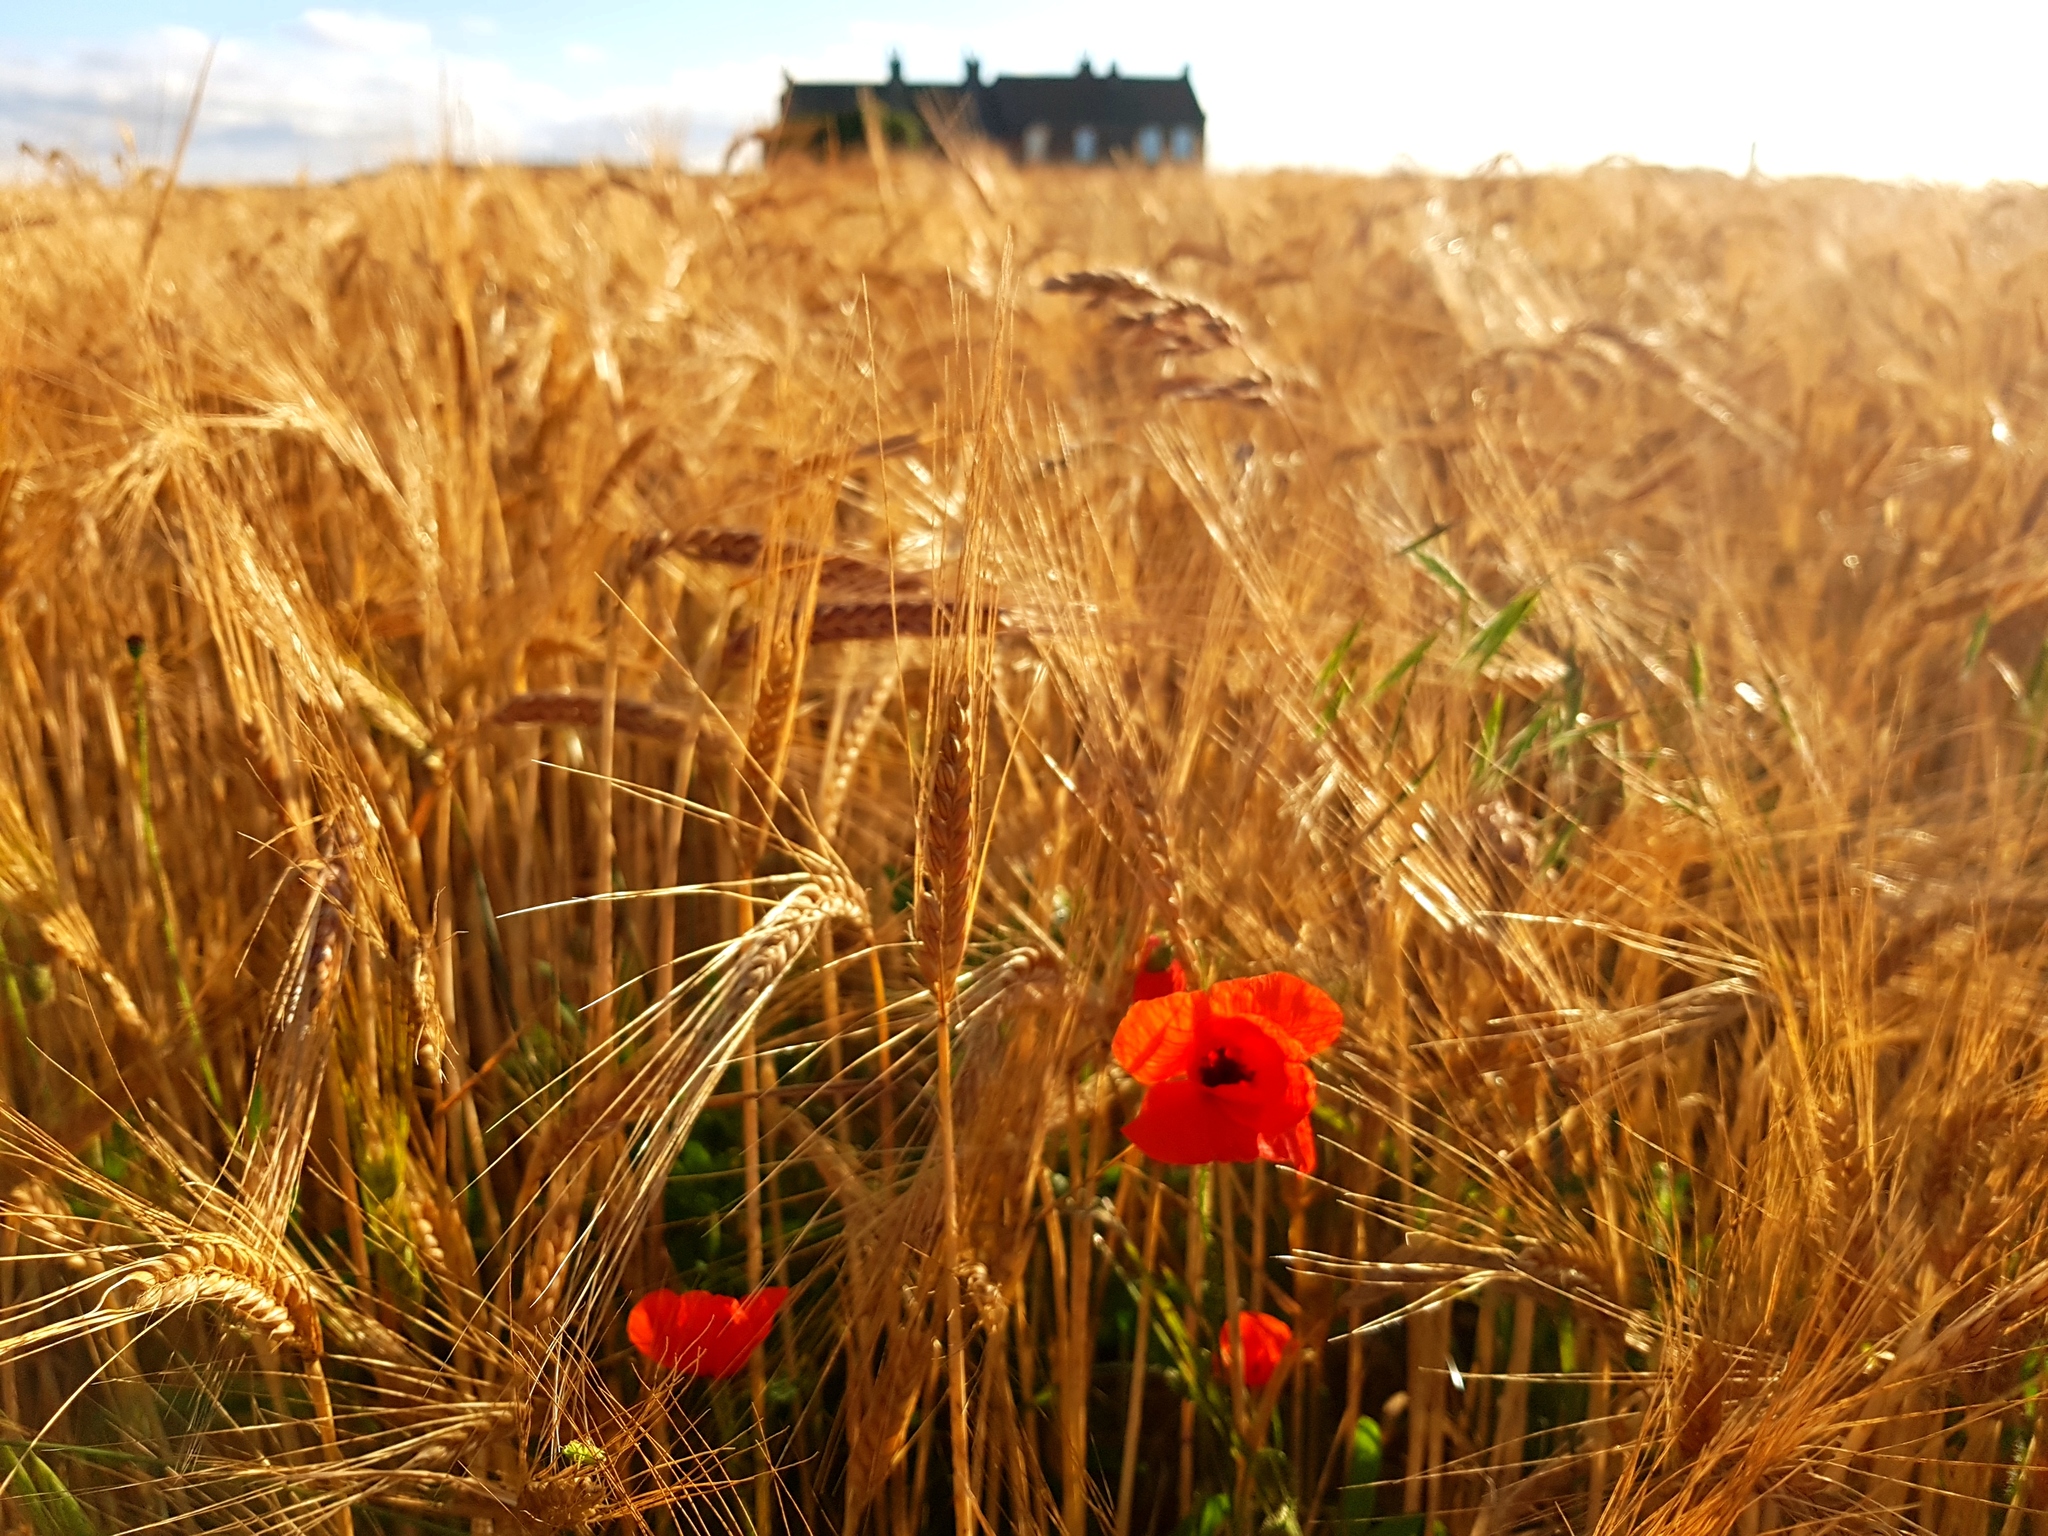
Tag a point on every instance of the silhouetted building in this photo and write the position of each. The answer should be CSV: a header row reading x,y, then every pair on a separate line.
x,y
1082,118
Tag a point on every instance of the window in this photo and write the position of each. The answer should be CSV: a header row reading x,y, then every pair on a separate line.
x,y
1037,143
1151,142
1084,144
1183,142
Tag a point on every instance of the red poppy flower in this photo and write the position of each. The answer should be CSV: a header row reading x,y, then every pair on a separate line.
x,y
1227,1070
1266,1342
702,1334
1159,972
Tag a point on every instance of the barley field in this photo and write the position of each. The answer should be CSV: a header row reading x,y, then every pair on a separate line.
x,y
567,736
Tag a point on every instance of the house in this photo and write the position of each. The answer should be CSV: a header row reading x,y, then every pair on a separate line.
x,y
1083,118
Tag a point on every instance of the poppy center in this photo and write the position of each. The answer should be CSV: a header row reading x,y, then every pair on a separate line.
x,y
1219,1069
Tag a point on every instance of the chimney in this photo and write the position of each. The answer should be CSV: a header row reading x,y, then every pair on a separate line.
x,y
895,68
1112,69
973,70
1086,71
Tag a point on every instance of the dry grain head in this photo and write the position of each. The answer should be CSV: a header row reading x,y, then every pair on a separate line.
x,y
262,1291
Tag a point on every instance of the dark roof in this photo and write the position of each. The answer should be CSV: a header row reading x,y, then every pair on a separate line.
x,y
835,99
1107,101
1009,104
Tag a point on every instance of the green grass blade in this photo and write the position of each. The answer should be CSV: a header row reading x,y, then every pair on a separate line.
x,y
1487,643
1430,537
1442,573
1337,658
1489,739
1402,668
1979,633
53,1510
1358,1502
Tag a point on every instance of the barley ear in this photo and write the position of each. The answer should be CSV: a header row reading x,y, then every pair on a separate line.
x,y
227,1272
946,851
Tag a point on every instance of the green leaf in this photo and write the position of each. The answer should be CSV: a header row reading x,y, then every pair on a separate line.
x,y
1360,1498
1402,668
52,1508
1336,659
1696,673
1212,1517
1579,733
1979,633
258,1119
1335,703
1489,738
1168,1330
1442,573
1553,856
1524,739
494,946
1503,624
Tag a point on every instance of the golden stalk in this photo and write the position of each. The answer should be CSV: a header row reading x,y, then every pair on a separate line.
x,y
1240,1426
604,972
1134,1410
946,858
1077,1342
1194,1272
1589,624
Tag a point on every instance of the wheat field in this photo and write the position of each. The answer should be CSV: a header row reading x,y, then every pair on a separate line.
x,y
570,733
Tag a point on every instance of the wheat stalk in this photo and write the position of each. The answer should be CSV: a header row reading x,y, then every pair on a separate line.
x,y
1588,633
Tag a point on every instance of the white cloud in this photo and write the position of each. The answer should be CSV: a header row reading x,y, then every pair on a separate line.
x,y
338,92
586,54
366,31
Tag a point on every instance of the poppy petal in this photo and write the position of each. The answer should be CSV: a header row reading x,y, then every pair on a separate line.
x,y
1156,1039
747,1330
1183,1123
725,1347
1304,1014
1266,1342
1158,972
1295,1146
650,1321
1251,1073
691,1343
700,1333
757,1312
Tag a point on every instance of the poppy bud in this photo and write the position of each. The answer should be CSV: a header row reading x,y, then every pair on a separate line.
x,y
1159,972
1266,1342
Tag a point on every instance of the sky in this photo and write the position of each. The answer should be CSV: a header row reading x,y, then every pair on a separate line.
x,y
1927,92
